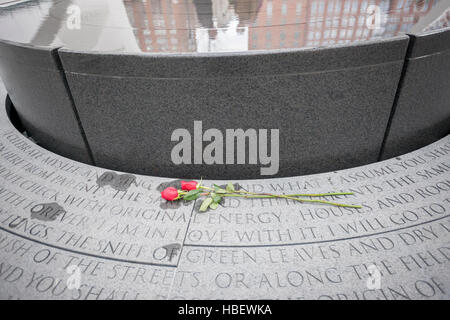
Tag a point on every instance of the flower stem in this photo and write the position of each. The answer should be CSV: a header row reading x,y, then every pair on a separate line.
x,y
295,195
252,195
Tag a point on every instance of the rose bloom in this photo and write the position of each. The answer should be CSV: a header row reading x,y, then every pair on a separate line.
x,y
169,194
188,186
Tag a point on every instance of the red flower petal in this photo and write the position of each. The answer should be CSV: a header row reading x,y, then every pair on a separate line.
x,y
188,186
169,194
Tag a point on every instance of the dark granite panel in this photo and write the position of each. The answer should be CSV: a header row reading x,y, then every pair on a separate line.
x,y
422,114
39,95
236,64
430,43
25,55
327,120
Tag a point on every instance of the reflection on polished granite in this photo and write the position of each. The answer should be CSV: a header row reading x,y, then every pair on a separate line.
x,y
175,26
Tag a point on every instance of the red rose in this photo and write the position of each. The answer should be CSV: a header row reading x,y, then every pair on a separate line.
x,y
188,186
169,194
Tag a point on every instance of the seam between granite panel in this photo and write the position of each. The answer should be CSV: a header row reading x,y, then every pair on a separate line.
x,y
177,265
400,82
86,253
234,77
61,71
315,242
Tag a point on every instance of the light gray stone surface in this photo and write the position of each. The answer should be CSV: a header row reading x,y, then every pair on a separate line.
x,y
314,252
331,97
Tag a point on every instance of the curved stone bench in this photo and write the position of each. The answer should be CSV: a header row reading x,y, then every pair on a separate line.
x,y
57,215
99,99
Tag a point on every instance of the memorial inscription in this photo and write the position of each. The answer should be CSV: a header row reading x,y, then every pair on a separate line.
x,y
68,205
73,231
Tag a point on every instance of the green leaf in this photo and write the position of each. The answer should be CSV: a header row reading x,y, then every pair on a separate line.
x,y
216,198
230,187
192,195
214,205
205,204
218,189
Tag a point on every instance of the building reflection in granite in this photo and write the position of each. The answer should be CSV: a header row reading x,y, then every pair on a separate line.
x,y
241,25
163,26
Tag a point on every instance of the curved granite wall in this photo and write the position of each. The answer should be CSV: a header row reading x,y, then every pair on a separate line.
x,y
422,111
331,105
37,87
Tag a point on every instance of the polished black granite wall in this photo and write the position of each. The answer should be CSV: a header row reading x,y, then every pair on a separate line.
x,y
132,72
331,106
422,112
36,87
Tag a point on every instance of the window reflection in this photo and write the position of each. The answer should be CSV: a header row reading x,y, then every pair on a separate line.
x,y
216,25
237,25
